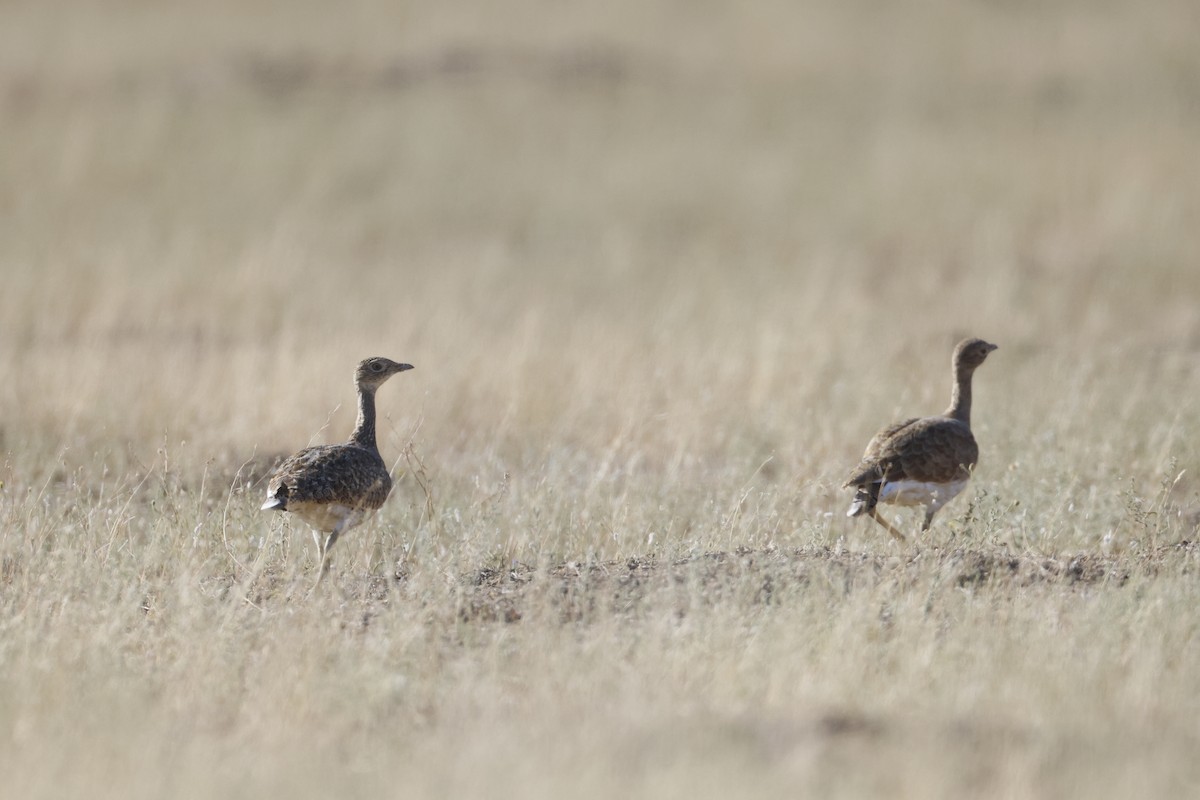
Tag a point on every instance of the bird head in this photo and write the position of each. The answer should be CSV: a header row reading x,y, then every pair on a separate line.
x,y
372,372
970,353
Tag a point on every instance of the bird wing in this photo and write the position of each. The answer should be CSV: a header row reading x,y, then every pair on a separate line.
x,y
887,434
934,449
342,473
868,470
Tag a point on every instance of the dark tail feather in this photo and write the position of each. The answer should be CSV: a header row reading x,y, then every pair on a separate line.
x,y
865,499
275,504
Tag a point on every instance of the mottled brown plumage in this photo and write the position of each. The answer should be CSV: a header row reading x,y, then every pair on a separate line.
x,y
922,461
336,486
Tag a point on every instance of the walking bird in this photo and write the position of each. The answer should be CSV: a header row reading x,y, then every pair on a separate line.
x,y
924,461
334,487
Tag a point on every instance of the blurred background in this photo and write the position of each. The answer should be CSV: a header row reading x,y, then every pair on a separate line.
x,y
681,235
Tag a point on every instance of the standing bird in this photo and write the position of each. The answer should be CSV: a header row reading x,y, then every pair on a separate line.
x,y
924,461
334,487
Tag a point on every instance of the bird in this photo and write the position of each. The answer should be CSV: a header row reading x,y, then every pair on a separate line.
x,y
924,461
334,487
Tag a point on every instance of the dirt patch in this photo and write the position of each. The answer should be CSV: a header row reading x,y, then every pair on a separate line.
x,y
574,591
580,591
976,568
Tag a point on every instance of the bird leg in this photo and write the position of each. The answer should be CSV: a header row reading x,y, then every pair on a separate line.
x,y
333,537
323,549
323,553
897,535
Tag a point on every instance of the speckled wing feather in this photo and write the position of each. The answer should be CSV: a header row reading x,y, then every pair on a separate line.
x,y
344,473
881,439
868,470
934,449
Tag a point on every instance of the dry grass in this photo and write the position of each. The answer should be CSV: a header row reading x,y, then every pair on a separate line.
x,y
662,269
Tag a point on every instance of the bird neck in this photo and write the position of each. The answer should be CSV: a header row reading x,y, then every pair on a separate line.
x,y
960,399
364,428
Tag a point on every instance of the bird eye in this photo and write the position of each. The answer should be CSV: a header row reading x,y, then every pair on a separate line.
x,y
376,366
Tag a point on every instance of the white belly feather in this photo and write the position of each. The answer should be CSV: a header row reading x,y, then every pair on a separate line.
x,y
917,493
325,517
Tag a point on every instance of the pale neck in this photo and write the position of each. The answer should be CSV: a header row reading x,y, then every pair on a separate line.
x,y
960,399
364,428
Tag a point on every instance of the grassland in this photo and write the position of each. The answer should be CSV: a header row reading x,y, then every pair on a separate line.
x,y
662,268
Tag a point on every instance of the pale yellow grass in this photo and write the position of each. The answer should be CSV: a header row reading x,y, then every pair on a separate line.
x,y
662,270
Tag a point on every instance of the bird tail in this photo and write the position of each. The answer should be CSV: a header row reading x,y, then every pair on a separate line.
x,y
865,499
275,504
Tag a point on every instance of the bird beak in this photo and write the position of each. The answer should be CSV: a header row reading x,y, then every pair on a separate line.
x,y
404,367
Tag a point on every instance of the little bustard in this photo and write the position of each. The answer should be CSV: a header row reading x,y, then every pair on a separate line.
x,y
334,487
924,461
